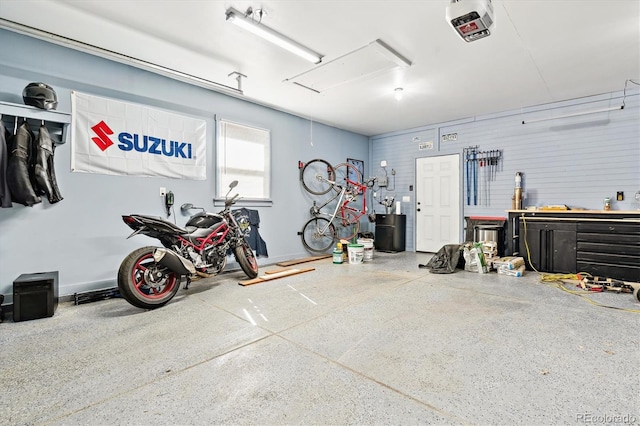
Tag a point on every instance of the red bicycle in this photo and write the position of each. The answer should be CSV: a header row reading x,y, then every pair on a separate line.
x,y
344,182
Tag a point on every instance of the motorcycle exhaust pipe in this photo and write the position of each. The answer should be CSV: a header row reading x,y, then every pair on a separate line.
x,y
173,261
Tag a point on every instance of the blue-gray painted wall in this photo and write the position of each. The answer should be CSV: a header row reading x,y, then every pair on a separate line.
x,y
576,161
83,237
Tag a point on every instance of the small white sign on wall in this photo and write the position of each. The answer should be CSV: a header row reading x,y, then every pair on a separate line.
x,y
449,137
425,145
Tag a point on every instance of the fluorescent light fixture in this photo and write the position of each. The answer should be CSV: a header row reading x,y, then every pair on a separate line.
x,y
574,114
398,93
274,37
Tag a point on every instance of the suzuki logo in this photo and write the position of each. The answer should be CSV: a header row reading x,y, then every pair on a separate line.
x,y
102,130
141,143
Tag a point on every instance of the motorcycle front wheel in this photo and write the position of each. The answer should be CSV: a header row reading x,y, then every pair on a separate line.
x,y
144,283
246,259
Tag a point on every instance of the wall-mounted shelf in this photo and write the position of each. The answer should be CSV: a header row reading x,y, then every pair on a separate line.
x,y
56,122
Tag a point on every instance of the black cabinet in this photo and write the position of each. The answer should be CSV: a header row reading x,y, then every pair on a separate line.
x,y
609,249
390,232
601,243
551,245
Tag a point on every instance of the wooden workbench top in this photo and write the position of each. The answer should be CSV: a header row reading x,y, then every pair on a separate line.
x,y
612,212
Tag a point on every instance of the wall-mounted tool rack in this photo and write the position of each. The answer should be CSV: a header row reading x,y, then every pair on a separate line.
x,y
56,122
481,168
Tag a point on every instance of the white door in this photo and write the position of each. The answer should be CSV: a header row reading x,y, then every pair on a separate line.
x,y
438,220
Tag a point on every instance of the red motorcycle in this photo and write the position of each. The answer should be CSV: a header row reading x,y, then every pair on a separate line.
x,y
149,277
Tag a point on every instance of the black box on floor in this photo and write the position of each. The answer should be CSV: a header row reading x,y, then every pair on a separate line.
x,y
35,296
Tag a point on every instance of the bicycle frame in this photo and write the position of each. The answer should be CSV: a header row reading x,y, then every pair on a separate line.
x,y
342,204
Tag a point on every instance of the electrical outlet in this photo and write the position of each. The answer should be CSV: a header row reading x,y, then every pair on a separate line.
x,y
382,181
163,191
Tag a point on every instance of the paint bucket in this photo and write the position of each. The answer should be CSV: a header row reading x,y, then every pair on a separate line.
x,y
367,243
356,253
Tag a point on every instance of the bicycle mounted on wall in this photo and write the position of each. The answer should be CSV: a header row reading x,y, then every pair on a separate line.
x,y
344,183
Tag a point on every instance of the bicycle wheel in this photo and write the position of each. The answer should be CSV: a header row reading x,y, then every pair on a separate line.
x,y
347,227
344,171
346,176
318,235
315,175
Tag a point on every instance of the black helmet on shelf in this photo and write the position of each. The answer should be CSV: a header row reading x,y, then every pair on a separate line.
x,y
40,95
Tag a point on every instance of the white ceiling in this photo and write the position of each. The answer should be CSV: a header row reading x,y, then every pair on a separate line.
x,y
540,51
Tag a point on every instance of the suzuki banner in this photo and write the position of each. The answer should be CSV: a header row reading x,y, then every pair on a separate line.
x,y
121,138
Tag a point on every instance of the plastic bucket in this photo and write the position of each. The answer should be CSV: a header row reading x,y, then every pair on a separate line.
x,y
356,253
368,248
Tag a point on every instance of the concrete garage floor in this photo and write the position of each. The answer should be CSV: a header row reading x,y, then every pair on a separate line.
x,y
379,343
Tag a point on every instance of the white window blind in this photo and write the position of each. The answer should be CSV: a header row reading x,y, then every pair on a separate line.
x,y
243,154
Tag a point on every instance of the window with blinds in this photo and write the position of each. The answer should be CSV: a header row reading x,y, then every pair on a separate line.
x,y
243,154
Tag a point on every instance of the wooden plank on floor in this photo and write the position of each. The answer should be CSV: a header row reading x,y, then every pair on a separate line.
x,y
303,260
273,275
277,271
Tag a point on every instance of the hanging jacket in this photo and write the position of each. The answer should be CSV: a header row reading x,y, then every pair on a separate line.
x,y
249,221
44,171
20,167
5,194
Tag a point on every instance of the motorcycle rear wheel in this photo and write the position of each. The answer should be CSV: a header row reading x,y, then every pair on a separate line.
x,y
144,283
246,259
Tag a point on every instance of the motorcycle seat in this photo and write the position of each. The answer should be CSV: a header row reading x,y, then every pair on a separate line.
x,y
159,223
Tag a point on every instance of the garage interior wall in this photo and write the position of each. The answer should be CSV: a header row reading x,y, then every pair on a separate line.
x,y
83,237
576,161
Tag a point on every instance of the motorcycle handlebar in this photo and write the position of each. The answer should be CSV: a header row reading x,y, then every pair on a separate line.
x,y
231,201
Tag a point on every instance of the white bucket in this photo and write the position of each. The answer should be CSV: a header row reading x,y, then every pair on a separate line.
x,y
356,253
368,248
